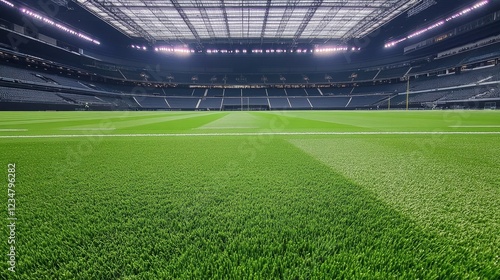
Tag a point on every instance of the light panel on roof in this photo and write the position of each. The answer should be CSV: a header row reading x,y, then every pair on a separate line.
x,y
253,20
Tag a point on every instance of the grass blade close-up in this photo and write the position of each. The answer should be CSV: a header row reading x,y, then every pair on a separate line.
x,y
251,195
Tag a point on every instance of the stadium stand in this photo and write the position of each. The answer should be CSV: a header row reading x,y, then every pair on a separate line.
x,y
279,103
299,102
64,81
393,73
490,93
329,102
345,76
464,78
30,96
313,92
84,99
122,102
151,102
21,74
364,101
381,88
187,103
178,91
365,75
482,53
115,74
232,101
232,92
100,87
254,92
394,101
462,94
217,92
437,64
296,92
199,92
426,97
135,75
337,91
256,101
276,92
470,74
214,103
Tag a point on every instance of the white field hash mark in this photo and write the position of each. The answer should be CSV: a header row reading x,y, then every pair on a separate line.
x,y
257,134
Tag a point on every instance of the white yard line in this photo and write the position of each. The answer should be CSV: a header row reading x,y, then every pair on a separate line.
x,y
89,129
12,129
257,134
472,126
227,127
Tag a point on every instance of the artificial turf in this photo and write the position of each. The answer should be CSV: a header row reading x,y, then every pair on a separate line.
x,y
261,195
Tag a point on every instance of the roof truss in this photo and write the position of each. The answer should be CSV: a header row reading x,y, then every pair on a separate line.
x,y
256,21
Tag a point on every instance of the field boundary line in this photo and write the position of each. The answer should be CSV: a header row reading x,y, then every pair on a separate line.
x,y
89,129
474,126
257,134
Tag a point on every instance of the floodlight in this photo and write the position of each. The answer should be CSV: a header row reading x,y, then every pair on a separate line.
x,y
437,24
58,25
7,3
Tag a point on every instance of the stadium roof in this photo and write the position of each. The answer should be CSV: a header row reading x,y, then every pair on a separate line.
x,y
248,21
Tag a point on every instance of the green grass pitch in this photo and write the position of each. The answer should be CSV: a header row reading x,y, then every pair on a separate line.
x,y
251,195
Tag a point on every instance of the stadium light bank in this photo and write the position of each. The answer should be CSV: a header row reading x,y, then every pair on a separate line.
x,y
437,24
57,25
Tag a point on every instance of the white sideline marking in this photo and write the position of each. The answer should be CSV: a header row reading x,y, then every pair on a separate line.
x,y
89,129
12,129
226,127
470,126
257,134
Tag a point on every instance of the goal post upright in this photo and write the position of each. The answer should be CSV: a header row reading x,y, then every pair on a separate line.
x,y
407,90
